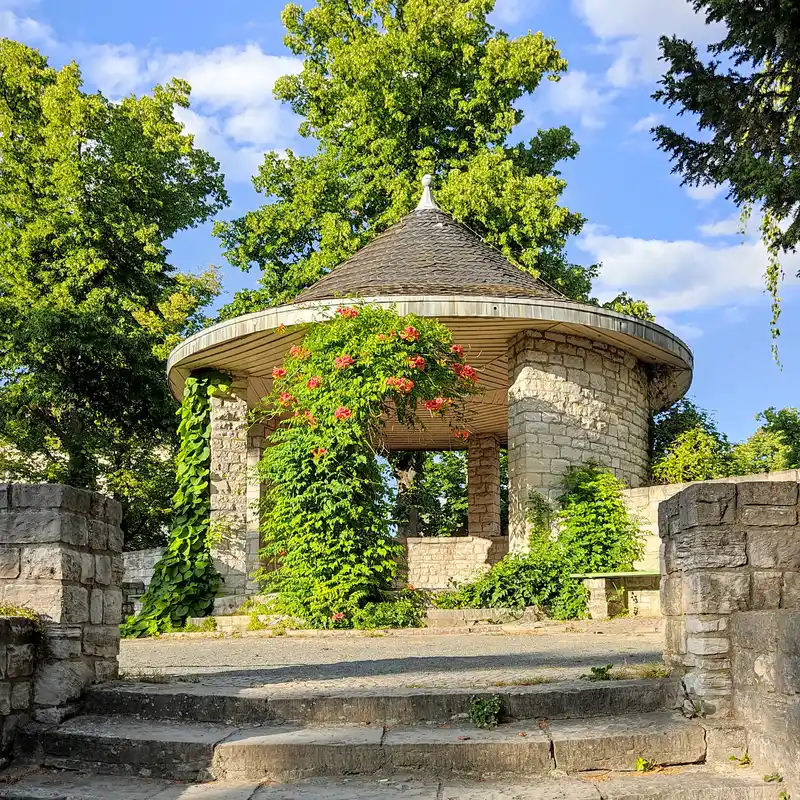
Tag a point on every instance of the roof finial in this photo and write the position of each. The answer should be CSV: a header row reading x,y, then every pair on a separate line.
x,y
427,201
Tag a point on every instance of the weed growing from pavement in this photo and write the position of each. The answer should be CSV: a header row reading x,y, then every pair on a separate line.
x,y
485,711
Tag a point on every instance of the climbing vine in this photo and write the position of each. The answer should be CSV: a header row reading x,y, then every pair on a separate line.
x,y
185,580
325,516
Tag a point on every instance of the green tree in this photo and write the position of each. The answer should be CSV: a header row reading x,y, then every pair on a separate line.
x,y
694,455
89,304
623,303
764,451
745,101
683,416
391,90
786,422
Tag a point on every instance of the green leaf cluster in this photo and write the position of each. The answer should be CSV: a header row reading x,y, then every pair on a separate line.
x,y
185,580
592,532
391,91
325,516
406,609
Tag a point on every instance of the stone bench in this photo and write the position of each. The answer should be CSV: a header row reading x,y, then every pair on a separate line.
x,y
612,594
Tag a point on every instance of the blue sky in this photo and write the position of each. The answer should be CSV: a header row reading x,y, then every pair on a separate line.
x,y
679,249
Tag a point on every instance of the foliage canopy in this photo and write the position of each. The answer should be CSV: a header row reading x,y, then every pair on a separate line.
x,y
390,91
89,304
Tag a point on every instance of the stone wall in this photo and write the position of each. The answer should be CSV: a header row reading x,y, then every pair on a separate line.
x,y
643,503
138,565
18,639
436,562
726,548
483,486
60,555
571,400
765,646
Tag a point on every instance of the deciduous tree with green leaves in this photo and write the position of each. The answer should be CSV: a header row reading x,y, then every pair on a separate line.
x,y
745,100
786,422
90,191
391,90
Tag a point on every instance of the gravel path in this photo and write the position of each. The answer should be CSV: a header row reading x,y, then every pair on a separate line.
x,y
287,664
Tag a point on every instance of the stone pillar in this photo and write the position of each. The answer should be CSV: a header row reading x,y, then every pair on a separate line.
x,y
726,548
60,555
256,439
229,427
570,401
483,486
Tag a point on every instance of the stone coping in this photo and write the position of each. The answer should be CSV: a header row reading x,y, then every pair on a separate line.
x,y
651,343
641,574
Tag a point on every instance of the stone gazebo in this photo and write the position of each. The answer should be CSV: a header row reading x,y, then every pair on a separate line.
x,y
563,382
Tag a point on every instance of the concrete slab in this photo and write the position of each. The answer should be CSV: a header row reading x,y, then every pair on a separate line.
x,y
615,743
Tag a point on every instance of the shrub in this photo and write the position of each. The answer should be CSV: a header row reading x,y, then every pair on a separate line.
x,y
405,611
594,533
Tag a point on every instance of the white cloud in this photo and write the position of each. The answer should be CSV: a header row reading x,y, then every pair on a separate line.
x,y
239,163
23,28
731,226
234,115
629,30
510,11
704,193
644,124
578,94
682,275
686,330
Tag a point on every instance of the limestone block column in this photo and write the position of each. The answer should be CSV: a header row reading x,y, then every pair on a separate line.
x,y
256,439
483,486
61,556
570,401
229,500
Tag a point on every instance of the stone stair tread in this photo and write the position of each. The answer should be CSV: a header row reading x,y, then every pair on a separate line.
x,y
688,783
616,742
254,705
692,783
133,729
266,692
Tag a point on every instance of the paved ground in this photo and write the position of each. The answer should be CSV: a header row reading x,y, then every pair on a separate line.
x,y
319,663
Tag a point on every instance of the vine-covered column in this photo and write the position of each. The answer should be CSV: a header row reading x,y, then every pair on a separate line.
x,y
483,486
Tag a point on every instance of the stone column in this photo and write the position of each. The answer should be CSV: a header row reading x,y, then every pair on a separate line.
x,y
256,440
570,401
60,555
229,457
483,486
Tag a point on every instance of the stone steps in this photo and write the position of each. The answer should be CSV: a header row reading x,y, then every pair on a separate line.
x,y
694,783
292,751
247,706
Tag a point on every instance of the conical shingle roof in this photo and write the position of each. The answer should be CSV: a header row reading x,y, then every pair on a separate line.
x,y
427,253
